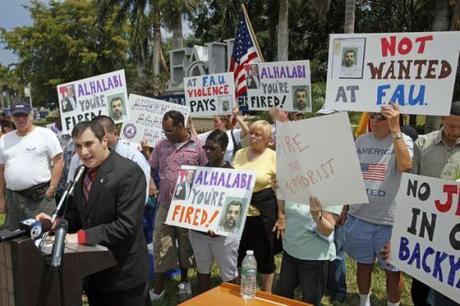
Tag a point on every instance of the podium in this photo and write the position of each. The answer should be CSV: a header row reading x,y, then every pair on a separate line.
x,y
27,280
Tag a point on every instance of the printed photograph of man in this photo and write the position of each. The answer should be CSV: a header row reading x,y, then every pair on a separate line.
x,y
349,57
252,77
231,218
68,98
117,109
183,189
350,62
301,98
225,102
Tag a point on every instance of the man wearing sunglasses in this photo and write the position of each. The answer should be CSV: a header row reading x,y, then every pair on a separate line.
x,y
384,154
179,148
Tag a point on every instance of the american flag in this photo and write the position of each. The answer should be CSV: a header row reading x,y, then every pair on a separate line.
x,y
244,52
374,172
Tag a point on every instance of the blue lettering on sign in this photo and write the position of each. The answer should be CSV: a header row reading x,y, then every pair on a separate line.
x,y
432,262
401,95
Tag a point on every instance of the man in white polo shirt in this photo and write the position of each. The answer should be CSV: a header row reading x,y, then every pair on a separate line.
x,y
31,165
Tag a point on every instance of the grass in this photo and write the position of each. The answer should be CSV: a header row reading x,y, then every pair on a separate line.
x,y
378,296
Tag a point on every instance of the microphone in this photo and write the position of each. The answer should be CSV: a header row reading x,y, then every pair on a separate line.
x,y
80,171
59,243
29,227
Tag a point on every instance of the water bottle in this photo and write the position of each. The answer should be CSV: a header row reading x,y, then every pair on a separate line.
x,y
248,276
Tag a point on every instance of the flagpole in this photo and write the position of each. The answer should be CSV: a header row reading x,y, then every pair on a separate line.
x,y
254,38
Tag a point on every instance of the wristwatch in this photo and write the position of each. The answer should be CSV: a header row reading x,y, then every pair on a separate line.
x,y
396,135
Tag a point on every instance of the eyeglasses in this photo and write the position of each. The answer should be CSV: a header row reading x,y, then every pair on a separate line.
x,y
170,131
378,116
210,148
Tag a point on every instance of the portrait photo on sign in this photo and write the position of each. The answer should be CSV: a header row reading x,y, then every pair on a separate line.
x,y
348,58
184,185
301,98
68,98
252,76
226,103
117,107
233,211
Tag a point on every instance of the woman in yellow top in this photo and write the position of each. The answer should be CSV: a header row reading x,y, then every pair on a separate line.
x,y
263,212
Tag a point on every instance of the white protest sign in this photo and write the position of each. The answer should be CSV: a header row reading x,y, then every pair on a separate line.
x,y
415,70
85,99
318,157
279,84
214,199
212,94
425,241
146,118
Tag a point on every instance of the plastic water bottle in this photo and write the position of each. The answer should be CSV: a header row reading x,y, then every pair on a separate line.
x,y
248,276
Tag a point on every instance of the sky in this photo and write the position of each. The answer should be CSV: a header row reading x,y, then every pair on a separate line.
x,y
12,14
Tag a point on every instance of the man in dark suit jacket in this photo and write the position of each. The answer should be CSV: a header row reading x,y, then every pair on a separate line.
x,y
110,214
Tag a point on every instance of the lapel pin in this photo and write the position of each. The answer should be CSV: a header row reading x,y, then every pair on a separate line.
x,y
102,180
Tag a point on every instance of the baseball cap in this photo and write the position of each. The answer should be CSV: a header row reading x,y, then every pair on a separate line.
x,y
20,108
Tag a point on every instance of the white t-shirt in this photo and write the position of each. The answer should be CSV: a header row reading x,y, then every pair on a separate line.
x,y
229,153
27,159
381,178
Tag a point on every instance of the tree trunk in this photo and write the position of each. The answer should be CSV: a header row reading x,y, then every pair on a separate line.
x,y
156,50
440,23
178,37
283,31
350,7
140,61
455,22
321,7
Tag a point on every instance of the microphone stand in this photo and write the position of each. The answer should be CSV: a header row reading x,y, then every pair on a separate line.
x,y
68,191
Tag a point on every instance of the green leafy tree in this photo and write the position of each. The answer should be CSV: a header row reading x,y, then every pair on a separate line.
x,y
64,43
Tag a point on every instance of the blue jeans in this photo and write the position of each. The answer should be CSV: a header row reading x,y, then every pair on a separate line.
x,y
336,280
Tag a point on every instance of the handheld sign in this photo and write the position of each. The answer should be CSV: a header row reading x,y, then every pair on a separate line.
x,y
212,94
279,84
214,199
414,70
425,242
85,99
146,118
318,157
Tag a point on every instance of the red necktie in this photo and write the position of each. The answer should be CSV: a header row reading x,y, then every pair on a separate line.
x,y
89,178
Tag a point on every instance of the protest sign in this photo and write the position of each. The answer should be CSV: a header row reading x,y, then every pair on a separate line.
x,y
414,70
214,199
425,241
85,99
279,84
146,118
212,94
318,157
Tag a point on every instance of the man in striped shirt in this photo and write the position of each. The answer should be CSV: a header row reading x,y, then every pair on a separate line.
x,y
384,154
437,154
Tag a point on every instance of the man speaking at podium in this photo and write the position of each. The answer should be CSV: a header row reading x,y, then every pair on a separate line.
x,y
107,208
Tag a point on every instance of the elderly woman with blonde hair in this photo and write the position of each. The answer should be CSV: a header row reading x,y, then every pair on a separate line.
x,y
263,215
